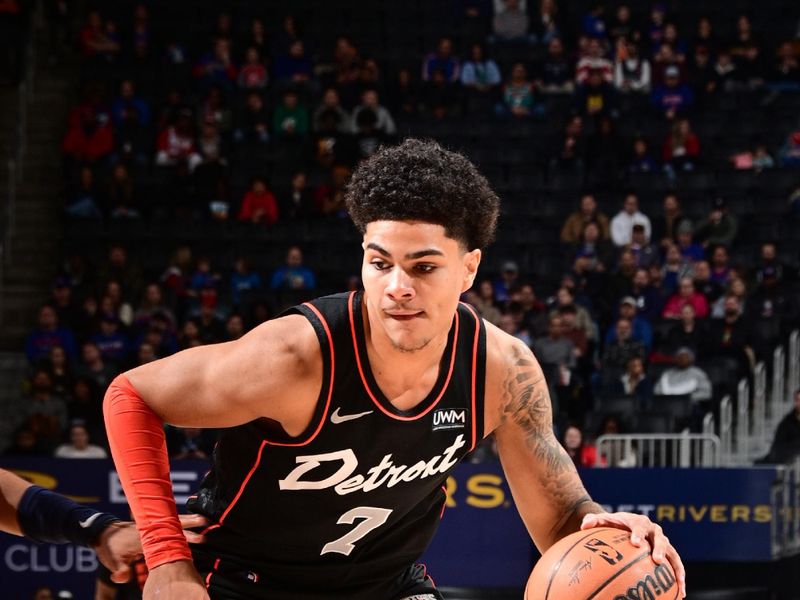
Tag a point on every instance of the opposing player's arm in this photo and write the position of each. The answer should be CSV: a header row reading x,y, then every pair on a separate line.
x,y
548,492
222,385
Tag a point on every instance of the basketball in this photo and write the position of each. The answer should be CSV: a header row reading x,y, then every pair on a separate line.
x,y
601,564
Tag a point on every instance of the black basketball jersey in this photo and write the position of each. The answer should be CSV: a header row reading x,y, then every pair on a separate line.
x,y
346,507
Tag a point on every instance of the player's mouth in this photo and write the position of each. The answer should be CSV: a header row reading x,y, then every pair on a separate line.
x,y
403,315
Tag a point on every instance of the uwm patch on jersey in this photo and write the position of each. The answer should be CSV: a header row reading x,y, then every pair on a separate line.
x,y
450,418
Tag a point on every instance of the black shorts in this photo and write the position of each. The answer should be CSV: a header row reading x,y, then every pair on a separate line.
x,y
226,582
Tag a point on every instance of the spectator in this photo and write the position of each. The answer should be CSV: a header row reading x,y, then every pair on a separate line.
x,y
44,413
689,249
681,148
635,382
293,275
253,74
556,75
756,159
129,107
725,72
89,137
113,344
672,99
645,253
346,71
631,71
789,153
582,454
99,40
786,443
569,155
175,142
557,352
675,268
514,328
152,303
519,93
623,222
571,331
620,455
189,442
641,331
243,280
481,79
719,228
684,379
729,336
622,29
545,24
59,369
214,111
146,354
686,333
587,212
484,306
331,102
216,68
617,353
686,294
440,98
122,194
48,334
720,269
443,60
704,36
669,222
785,74
210,327
702,74
84,201
704,284
93,366
593,23
294,69
79,446
234,327
641,160
329,197
746,54
290,119
599,252
649,302
405,95
253,122
383,119
596,97
259,205
511,23
204,280
594,60
769,266
26,444
297,203
509,275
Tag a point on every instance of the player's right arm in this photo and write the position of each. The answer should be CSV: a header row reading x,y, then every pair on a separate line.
x,y
275,372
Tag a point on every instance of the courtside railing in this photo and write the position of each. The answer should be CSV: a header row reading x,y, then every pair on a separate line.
x,y
659,450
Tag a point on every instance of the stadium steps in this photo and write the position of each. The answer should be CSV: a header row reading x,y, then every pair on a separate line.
x,y
35,246
13,368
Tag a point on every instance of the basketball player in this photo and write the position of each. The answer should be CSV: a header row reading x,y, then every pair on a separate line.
x,y
345,416
46,517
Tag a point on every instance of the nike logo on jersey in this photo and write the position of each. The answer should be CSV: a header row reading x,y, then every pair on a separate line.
x,y
88,522
386,473
336,418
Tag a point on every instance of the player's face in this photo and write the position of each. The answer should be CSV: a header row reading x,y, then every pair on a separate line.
x,y
413,276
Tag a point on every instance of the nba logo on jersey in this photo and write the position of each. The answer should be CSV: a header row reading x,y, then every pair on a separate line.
x,y
449,418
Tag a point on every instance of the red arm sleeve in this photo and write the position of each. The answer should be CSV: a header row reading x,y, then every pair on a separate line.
x,y
138,445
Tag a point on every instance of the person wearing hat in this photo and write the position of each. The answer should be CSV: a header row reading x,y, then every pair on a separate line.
x,y
646,253
684,378
509,274
672,98
719,228
641,330
690,250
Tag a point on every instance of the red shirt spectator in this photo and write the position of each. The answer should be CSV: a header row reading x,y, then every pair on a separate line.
x,y
89,137
681,144
686,294
175,142
259,205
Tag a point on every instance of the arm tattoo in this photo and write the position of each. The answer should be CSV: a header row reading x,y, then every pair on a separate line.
x,y
526,403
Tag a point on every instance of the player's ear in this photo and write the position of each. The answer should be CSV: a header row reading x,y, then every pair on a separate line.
x,y
472,260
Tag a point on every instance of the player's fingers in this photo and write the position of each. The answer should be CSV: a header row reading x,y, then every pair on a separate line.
x,y
677,565
192,521
121,575
193,538
661,546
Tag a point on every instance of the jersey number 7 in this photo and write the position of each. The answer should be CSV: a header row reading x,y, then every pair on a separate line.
x,y
373,518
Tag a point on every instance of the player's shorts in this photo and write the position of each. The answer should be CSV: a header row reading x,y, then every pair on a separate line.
x,y
231,583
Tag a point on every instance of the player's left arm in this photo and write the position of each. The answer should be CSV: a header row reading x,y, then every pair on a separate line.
x,y
547,490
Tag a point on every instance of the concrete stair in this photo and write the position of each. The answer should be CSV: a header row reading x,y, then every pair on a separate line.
x,y
31,255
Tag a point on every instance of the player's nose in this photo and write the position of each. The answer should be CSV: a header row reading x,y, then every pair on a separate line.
x,y
400,285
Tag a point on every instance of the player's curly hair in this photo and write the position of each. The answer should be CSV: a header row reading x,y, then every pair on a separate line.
x,y
419,180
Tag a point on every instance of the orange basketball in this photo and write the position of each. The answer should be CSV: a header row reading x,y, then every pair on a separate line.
x,y
600,564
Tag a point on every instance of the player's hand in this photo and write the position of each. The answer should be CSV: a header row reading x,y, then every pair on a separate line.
x,y
175,581
642,529
119,544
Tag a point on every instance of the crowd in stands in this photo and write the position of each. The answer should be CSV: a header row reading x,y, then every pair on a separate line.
x,y
258,124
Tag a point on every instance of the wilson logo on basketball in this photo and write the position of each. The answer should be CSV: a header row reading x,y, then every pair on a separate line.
x,y
607,552
449,418
650,586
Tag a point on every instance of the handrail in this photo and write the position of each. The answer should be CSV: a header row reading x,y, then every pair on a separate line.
x,y
793,379
760,403
743,420
726,428
778,391
659,450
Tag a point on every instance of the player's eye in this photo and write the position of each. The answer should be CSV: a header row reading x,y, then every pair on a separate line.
x,y
379,265
425,268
